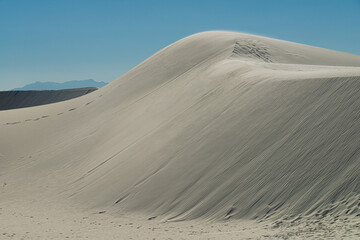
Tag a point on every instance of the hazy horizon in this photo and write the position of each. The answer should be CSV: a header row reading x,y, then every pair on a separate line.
x,y
49,85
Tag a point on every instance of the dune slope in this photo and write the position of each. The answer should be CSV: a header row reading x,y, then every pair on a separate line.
x,y
21,99
218,125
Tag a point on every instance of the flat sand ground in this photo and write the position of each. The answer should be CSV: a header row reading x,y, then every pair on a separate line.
x,y
57,222
34,219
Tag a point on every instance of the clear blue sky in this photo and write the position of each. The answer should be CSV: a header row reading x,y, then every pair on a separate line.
x,y
62,40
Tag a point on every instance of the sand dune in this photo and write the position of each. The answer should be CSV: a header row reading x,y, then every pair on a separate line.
x,y
21,99
217,126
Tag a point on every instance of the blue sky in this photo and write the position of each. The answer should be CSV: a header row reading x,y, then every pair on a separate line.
x,y
62,40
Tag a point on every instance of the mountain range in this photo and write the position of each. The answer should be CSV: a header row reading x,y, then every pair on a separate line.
x,y
64,85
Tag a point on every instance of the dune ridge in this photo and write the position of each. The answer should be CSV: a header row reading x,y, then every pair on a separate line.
x,y
216,126
30,98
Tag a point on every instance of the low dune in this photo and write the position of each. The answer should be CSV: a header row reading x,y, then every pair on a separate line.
x,y
217,127
30,98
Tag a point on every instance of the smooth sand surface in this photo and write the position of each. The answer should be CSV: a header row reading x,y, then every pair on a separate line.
x,y
221,131
30,98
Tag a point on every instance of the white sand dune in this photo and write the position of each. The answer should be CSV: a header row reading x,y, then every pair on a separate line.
x,y
216,126
30,98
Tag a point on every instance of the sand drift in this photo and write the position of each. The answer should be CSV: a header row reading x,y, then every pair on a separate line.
x,y
218,125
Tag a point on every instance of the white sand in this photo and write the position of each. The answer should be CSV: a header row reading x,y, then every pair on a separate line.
x,y
249,135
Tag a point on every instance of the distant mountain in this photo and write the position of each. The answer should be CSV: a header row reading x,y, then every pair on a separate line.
x,y
64,85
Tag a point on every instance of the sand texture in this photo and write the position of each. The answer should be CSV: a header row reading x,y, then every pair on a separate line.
x,y
222,131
